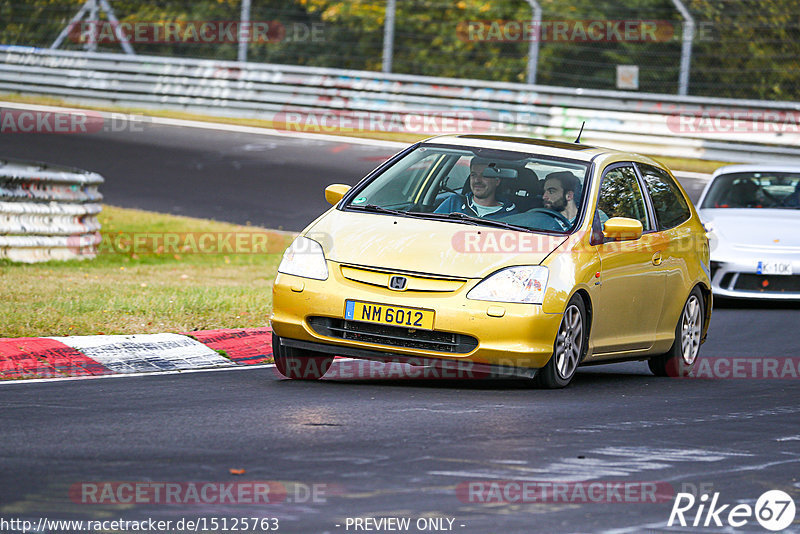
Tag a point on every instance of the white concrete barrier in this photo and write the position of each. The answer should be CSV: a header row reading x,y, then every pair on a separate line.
x,y
48,212
716,129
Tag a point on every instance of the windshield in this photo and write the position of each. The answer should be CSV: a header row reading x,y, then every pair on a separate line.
x,y
754,190
479,186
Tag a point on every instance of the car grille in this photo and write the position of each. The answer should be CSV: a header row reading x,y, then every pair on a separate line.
x,y
393,336
774,283
416,282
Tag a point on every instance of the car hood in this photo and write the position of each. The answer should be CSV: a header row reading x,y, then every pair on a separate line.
x,y
426,246
754,228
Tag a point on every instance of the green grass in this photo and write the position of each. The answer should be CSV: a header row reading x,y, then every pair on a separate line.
x,y
131,288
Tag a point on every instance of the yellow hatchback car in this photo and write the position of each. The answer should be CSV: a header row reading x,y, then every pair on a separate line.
x,y
511,255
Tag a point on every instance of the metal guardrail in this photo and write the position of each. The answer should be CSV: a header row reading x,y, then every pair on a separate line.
x,y
48,212
666,125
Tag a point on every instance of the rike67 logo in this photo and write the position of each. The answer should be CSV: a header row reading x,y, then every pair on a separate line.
x,y
774,510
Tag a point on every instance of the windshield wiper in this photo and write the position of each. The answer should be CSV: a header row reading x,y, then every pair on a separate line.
x,y
378,209
478,220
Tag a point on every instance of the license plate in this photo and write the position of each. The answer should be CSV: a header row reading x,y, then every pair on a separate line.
x,y
393,315
775,267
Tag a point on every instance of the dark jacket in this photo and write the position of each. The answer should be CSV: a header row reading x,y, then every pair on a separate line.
x,y
459,204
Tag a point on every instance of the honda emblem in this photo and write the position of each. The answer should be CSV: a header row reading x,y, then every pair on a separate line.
x,y
398,283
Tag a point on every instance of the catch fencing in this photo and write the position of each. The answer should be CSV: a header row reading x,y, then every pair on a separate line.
x,y
322,100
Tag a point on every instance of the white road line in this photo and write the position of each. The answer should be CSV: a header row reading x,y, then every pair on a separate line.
x,y
153,373
135,375
395,145
183,123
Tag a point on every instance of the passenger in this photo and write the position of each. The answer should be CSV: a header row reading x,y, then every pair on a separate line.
x,y
482,200
561,191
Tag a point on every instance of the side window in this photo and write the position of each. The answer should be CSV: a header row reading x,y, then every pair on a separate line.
x,y
459,174
621,196
671,208
395,192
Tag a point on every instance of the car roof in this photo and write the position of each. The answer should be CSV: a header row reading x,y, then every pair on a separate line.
x,y
730,169
545,147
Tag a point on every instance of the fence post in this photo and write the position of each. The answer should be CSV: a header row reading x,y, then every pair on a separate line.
x,y
533,48
388,36
686,48
244,30
94,21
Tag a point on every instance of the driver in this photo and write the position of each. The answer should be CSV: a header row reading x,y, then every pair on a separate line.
x,y
482,200
561,190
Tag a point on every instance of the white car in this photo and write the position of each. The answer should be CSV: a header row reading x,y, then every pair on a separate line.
x,y
752,216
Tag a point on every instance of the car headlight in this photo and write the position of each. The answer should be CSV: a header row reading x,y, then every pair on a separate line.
x,y
305,258
525,284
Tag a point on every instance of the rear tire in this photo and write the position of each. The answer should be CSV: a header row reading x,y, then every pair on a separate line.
x,y
569,348
299,365
683,355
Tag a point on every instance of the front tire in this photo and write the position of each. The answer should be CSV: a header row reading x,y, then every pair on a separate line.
x,y
569,348
299,365
682,356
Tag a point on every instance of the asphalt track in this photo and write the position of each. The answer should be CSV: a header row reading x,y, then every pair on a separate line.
x,y
273,182
381,447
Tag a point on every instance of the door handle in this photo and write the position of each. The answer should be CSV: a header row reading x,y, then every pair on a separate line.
x,y
657,258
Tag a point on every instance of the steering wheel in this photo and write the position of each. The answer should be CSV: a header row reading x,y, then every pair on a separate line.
x,y
563,221
791,201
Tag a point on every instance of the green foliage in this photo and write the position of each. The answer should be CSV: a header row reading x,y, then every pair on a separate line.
x,y
750,49
743,48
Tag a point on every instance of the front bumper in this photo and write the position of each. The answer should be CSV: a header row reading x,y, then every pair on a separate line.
x,y
507,334
740,280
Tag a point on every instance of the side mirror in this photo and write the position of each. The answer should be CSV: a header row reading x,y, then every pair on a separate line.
x,y
335,192
623,229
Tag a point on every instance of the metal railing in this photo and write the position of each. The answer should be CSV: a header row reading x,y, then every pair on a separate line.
x,y
48,212
656,124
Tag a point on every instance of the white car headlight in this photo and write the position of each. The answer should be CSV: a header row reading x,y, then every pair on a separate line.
x,y
525,284
305,258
